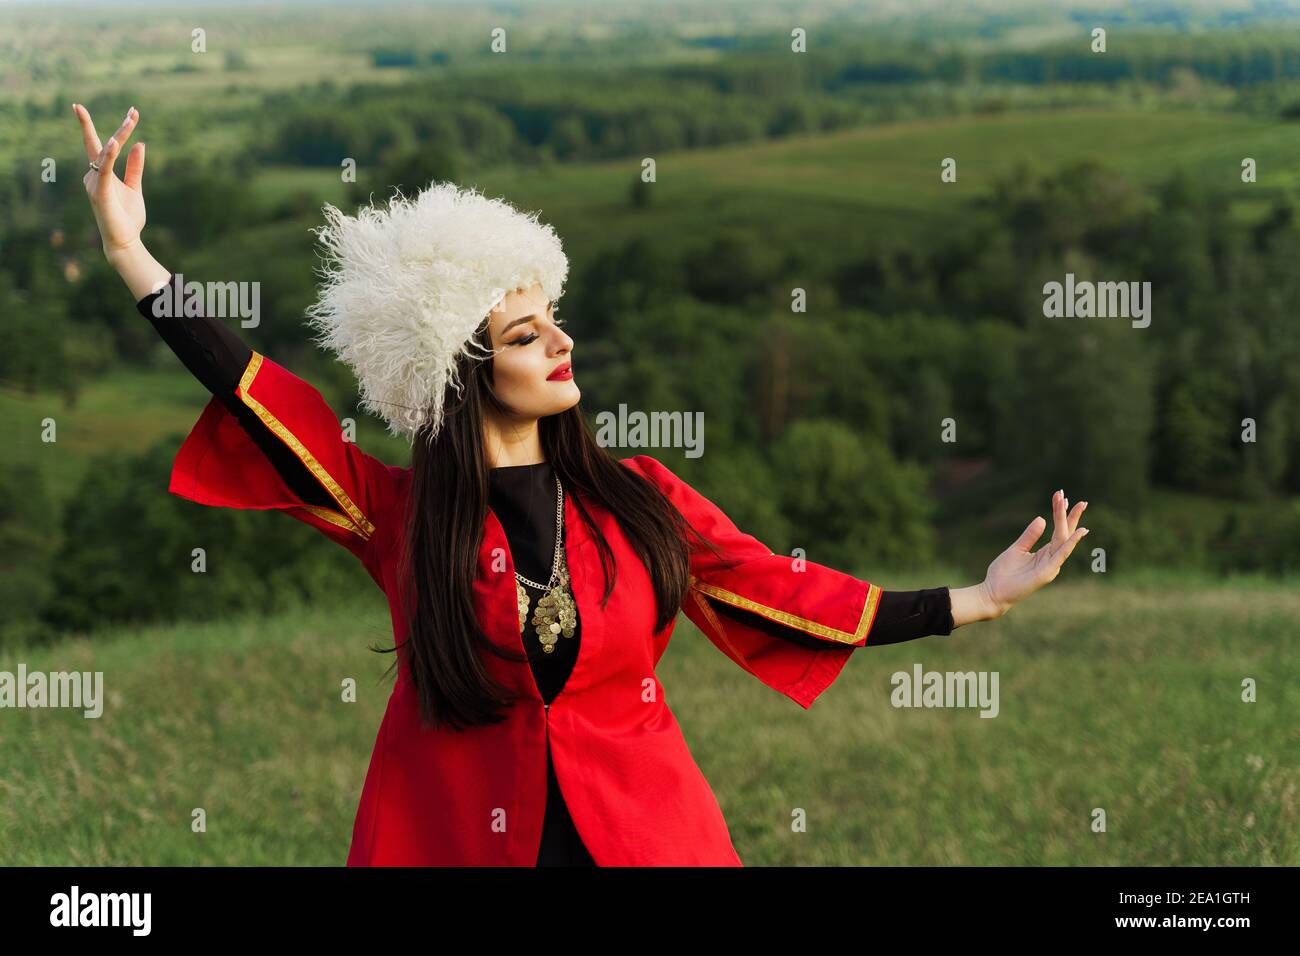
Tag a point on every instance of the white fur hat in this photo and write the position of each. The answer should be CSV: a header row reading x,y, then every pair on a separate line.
x,y
407,286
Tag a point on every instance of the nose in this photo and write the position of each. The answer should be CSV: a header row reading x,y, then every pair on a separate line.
x,y
562,342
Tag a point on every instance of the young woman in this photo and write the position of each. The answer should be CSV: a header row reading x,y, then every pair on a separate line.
x,y
533,579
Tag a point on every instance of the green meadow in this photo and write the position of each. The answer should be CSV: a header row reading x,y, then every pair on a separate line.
x,y
1123,698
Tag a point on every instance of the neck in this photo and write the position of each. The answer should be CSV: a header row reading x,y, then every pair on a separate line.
x,y
511,443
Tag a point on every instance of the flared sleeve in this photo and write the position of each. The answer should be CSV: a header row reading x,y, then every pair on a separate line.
x,y
220,464
812,599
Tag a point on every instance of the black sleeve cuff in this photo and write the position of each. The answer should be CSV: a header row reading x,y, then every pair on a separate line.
x,y
907,615
901,616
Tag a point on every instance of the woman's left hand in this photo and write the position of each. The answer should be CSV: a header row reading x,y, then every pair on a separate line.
x,y
1016,573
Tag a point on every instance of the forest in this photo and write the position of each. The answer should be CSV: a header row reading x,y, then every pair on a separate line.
x,y
868,350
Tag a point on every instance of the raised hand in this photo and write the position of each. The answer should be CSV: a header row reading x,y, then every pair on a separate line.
x,y
118,204
1016,573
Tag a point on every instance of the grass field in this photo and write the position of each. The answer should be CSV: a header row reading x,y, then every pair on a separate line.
x,y
857,185
1113,697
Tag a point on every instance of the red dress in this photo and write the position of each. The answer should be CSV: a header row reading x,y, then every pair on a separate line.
x,y
476,797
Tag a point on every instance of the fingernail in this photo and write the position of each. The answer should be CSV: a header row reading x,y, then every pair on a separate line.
x,y
1085,533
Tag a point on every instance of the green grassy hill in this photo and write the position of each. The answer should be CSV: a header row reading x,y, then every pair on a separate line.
x,y
1127,699
885,179
843,191
127,410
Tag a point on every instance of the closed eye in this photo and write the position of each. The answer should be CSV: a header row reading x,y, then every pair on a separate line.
x,y
532,336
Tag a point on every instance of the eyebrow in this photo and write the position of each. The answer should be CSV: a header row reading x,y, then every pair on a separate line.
x,y
526,318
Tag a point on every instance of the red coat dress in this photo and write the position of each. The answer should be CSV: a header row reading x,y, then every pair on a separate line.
x,y
477,797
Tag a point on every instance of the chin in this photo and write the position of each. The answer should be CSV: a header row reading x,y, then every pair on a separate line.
x,y
570,397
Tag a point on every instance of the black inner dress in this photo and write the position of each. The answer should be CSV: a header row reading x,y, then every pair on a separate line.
x,y
523,497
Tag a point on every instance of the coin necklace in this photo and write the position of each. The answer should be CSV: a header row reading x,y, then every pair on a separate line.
x,y
556,611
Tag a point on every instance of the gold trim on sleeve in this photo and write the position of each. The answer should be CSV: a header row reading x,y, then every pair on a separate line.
x,y
707,610
358,520
333,517
785,617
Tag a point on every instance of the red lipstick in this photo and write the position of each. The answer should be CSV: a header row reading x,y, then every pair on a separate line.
x,y
561,374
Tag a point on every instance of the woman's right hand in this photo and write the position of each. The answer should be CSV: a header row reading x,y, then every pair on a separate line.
x,y
118,204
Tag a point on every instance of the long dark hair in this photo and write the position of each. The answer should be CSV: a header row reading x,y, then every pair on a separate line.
x,y
445,523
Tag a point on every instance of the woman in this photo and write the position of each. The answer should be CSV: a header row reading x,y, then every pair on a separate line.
x,y
533,579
